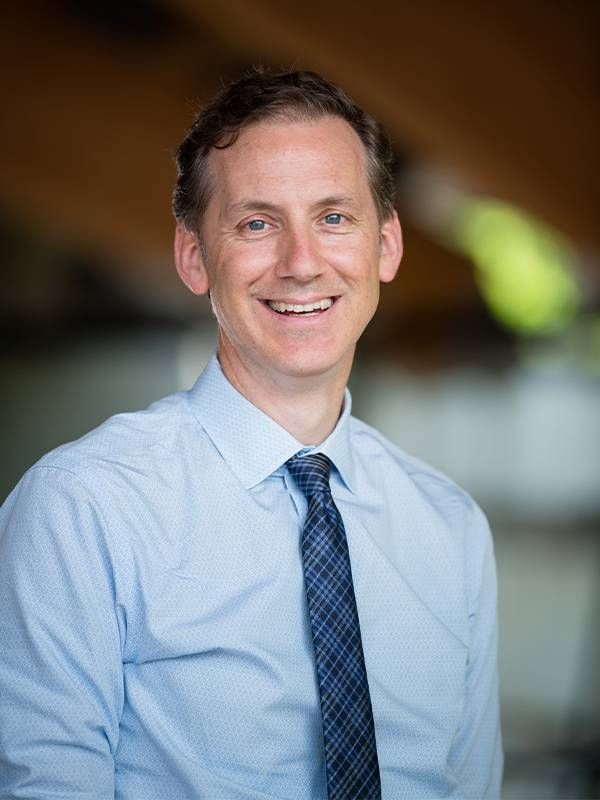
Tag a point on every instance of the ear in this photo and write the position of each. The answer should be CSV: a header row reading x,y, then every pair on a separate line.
x,y
391,248
189,261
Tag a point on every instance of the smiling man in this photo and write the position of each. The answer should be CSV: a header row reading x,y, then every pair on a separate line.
x,y
243,591
292,250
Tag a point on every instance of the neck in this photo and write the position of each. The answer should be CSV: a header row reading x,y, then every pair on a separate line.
x,y
308,407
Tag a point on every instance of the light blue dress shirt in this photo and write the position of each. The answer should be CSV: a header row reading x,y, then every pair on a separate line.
x,y
154,636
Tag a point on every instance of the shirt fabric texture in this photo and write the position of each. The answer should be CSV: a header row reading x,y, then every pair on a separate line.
x,y
154,633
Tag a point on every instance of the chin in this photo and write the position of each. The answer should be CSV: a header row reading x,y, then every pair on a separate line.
x,y
311,365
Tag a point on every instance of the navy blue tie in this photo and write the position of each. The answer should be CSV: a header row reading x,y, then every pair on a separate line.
x,y
348,729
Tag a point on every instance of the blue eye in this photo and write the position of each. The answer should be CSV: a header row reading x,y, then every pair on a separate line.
x,y
333,219
256,225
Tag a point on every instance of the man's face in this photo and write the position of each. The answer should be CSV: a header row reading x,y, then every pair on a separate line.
x,y
293,250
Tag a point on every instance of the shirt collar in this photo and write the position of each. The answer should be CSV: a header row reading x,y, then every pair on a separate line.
x,y
254,445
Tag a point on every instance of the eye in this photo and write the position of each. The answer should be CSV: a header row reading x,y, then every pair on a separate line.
x,y
256,225
334,219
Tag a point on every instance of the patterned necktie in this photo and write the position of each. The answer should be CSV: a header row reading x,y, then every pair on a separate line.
x,y
348,729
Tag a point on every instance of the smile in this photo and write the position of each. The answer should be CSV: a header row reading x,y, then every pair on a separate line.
x,y
301,308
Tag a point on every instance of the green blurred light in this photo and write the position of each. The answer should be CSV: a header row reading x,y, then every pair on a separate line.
x,y
524,269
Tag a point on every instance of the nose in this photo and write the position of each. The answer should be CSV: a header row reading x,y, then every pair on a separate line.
x,y
298,256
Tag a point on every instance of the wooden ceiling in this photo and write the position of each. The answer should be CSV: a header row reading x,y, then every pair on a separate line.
x,y
96,96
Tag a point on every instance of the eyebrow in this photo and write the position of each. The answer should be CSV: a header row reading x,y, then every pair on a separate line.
x,y
335,200
264,205
252,205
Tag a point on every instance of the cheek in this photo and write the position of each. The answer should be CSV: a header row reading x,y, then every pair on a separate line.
x,y
247,260
232,300
361,277
358,258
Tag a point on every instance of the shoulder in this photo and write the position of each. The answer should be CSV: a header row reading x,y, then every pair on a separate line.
x,y
377,453
125,440
110,479
443,531
129,454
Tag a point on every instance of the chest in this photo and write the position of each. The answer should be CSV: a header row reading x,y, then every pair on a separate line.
x,y
218,632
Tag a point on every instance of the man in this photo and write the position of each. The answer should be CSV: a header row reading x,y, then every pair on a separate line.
x,y
244,592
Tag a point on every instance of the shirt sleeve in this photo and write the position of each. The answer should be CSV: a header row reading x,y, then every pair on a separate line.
x,y
61,676
476,756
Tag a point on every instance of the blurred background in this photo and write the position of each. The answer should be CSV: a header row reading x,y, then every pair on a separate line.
x,y
484,358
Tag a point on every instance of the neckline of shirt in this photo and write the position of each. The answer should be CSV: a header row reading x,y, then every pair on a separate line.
x,y
253,445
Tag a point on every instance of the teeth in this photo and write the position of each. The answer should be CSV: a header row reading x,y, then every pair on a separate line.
x,y
320,305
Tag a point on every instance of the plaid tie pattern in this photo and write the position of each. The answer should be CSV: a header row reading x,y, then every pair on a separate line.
x,y
348,729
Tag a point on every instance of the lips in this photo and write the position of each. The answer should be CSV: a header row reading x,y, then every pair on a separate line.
x,y
300,308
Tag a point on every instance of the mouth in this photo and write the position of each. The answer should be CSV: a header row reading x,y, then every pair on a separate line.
x,y
301,309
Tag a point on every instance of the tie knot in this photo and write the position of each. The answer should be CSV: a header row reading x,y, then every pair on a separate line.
x,y
311,473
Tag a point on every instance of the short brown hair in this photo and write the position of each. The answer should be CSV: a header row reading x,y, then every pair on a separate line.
x,y
261,95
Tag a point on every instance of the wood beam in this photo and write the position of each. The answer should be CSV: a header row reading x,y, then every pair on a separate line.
x,y
85,153
89,128
503,95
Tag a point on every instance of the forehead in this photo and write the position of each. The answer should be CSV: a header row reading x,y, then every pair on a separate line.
x,y
274,156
